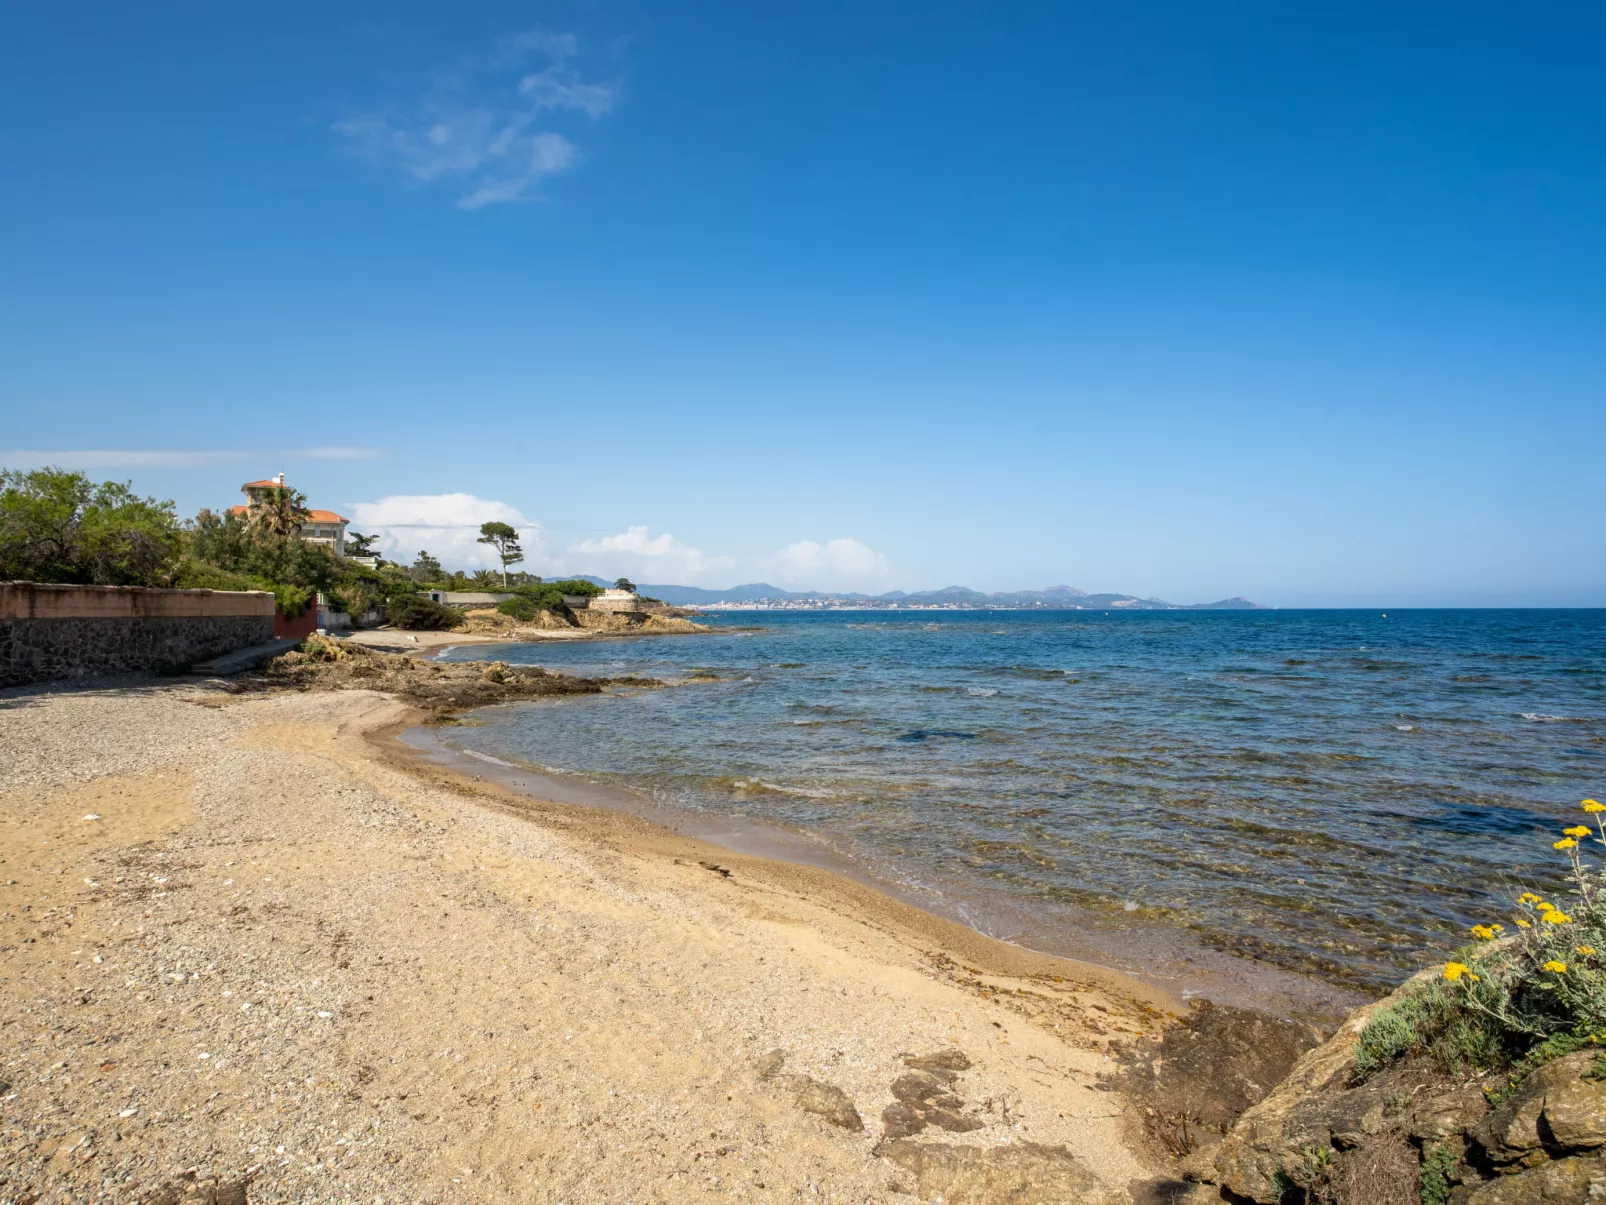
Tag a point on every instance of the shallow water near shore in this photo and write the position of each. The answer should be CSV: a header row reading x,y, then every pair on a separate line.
x,y
1336,794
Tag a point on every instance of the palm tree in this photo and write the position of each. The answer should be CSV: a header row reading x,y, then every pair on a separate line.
x,y
485,579
278,511
275,517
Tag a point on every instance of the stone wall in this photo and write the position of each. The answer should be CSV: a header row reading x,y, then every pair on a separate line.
x,y
50,632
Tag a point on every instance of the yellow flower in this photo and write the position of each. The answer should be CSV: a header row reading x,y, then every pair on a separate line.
x,y
1522,924
1577,830
1557,917
1545,906
1565,843
1454,971
1587,951
1483,932
1589,805
1559,967
1527,897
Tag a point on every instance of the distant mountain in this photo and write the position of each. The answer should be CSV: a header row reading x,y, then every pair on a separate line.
x,y
1048,599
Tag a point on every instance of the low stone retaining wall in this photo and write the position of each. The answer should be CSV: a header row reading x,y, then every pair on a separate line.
x,y
50,632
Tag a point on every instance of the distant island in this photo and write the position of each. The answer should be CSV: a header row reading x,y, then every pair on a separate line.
x,y
761,596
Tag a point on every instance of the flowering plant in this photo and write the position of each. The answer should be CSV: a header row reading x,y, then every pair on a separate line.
x,y
1512,995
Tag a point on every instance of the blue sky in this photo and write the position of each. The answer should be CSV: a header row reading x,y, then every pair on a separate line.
x,y
1302,302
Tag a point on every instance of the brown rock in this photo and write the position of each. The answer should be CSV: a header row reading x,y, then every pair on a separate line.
x,y
1555,1108
900,1121
1575,1110
1575,1181
1021,1174
1450,1111
1269,1140
1215,1064
942,1060
917,1090
825,1100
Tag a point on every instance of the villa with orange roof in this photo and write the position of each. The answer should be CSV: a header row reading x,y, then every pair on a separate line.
x,y
321,526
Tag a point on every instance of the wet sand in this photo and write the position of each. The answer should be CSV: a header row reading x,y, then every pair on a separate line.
x,y
1168,959
258,940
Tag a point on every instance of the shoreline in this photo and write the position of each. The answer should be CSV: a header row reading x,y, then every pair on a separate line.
x,y
1163,957
256,937
832,886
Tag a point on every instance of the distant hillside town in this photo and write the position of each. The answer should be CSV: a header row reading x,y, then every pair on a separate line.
x,y
761,596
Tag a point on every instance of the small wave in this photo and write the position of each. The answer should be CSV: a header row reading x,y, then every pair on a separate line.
x,y
1539,717
922,734
758,784
495,761
1405,727
981,692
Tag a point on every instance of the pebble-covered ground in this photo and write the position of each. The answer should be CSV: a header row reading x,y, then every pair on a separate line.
x,y
246,955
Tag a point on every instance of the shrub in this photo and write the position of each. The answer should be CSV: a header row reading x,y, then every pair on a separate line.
x,y
1518,998
58,526
288,600
423,614
521,609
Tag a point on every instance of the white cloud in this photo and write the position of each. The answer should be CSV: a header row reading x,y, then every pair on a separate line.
x,y
633,553
835,558
446,525
482,129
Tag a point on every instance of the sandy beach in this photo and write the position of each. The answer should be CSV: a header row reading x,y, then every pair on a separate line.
x,y
255,948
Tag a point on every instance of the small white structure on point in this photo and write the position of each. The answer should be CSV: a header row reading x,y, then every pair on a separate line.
x,y
620,602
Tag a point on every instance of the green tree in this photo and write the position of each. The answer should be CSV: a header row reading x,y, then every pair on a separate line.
x,y
58,526
505,540
624,583
278,511
426,568
223,539
358,544
484,579
275,517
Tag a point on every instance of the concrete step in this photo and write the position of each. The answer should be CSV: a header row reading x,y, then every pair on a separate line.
x,y
241,660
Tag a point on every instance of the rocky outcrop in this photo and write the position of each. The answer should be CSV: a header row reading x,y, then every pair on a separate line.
x,y
1414,1134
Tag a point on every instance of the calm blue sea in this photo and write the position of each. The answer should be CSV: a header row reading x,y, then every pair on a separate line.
x,y
1339,793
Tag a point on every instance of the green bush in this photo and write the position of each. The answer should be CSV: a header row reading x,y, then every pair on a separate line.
x,y
288,600
1518,999
58,526
520,608
423,614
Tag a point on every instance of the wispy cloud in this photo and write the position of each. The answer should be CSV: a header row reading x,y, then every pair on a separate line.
x,y
166,458
336,452
113,458
483,128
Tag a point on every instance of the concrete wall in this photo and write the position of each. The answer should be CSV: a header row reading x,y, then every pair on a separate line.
x,y
619,602
50,631
468,598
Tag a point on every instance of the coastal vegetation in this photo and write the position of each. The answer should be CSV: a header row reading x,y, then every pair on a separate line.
x,y
57,525
1517,997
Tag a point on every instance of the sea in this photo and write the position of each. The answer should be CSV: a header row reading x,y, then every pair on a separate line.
x,y
1294,809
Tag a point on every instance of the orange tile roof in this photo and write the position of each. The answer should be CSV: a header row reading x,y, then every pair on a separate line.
x,y
268,484
313,516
